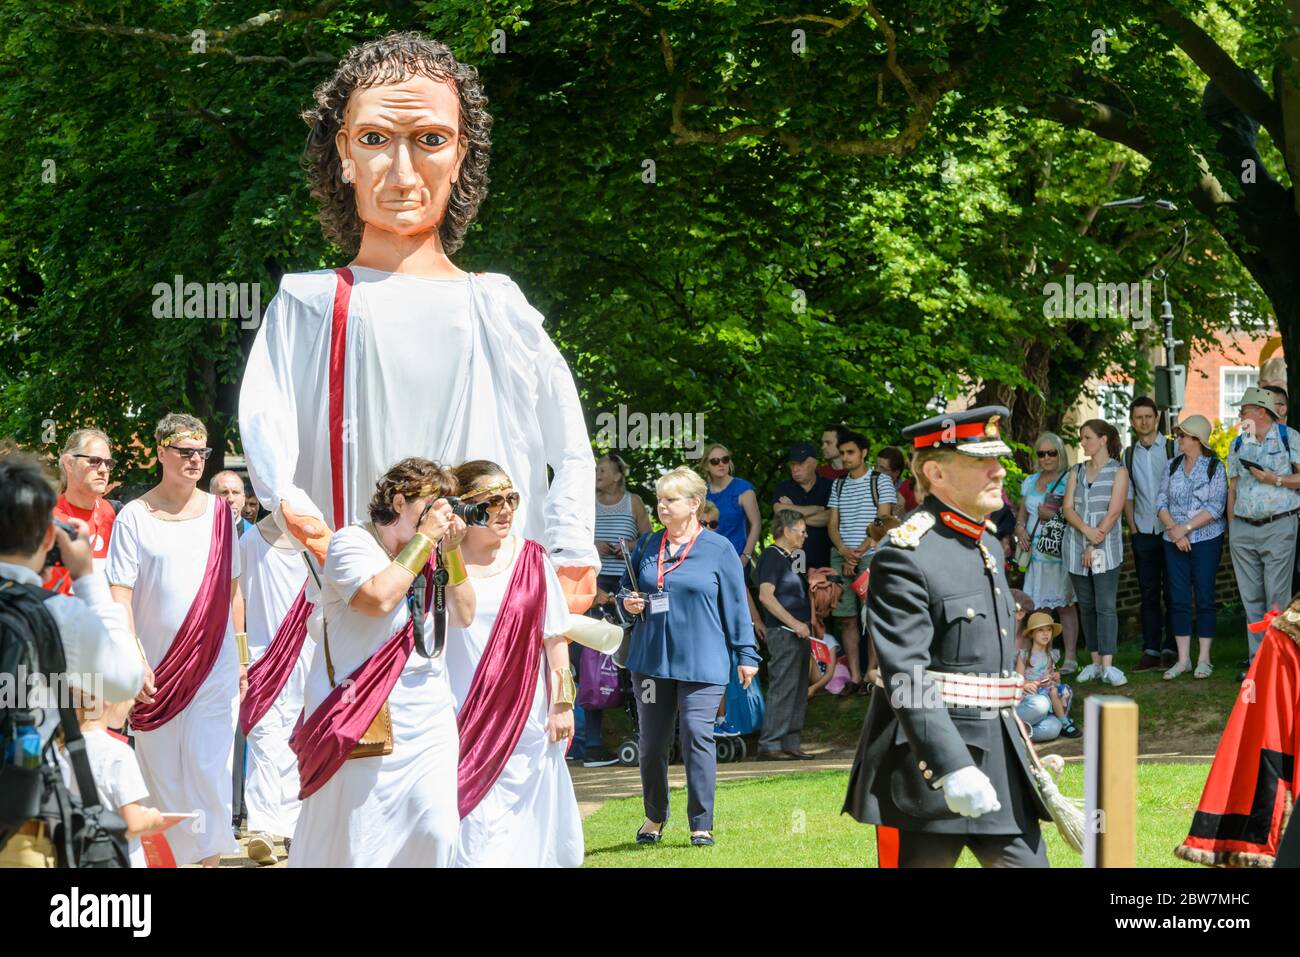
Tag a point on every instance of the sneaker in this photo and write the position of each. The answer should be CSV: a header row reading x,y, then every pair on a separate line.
x,y
1203,670
261,848
1181,668
1113,676
1069,666
1069,729
600,758
1148,662
1089,673
724,729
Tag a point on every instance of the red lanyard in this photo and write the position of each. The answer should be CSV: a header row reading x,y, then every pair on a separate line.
x,y
663,548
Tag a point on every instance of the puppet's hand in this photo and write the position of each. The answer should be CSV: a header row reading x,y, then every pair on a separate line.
x,y
578,582
308,531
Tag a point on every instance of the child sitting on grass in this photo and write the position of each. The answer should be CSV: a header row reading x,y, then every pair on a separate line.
x,y
116,772
1045,707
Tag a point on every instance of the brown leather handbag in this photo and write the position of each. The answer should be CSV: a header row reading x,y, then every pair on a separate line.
x,y
378,738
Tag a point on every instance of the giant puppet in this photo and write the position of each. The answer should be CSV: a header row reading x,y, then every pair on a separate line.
x,y
400,353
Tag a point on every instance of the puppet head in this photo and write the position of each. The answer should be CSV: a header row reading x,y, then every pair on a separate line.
x,y
400,139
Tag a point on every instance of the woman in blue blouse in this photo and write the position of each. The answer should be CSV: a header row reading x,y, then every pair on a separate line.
x,y
1191,504
692,591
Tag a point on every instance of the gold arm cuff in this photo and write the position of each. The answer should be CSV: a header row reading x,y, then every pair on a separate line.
x,y
416,553
455,565
241,643
140,648
563,688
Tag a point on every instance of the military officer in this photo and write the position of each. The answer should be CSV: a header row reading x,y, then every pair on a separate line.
x,y
941,757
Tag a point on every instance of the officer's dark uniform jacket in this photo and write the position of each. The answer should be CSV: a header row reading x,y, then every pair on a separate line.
x,y
935,606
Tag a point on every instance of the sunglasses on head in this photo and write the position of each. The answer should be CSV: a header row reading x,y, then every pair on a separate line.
x,y
190,453
95,461
720,460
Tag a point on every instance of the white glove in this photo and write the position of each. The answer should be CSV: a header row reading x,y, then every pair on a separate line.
x,y
969,792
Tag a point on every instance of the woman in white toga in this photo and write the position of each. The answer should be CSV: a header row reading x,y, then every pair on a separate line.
x,y
529,817
396,809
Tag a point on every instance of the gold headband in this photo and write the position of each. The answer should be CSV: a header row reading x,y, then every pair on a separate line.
x,y
498,487
185,434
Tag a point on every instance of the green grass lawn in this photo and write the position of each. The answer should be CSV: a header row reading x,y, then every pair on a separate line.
x,y
794,820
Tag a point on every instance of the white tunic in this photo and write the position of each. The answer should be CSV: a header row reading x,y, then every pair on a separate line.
x,y
530,816
398,809
187,762
117,776
272,577
445,369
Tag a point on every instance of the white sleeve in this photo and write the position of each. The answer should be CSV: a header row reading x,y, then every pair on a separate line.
x,y
556,620
351,561
569,514
268,412
122,566
123,781
96,641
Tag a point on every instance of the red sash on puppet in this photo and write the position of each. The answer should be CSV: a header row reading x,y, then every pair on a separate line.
x,y
268,674
197,644
1253,782
323,741
491,718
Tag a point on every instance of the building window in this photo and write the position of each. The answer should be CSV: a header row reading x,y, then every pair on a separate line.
x,y
1233,383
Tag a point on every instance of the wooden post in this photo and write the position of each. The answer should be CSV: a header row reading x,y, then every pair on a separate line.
x,y
1110,738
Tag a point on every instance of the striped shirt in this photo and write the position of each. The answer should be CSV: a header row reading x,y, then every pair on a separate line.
x,y
852,497
1091,503
614,522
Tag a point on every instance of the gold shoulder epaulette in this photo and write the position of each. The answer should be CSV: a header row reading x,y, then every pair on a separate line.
x,y
908,535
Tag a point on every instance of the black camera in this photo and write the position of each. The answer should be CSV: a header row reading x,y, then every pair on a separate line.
x,y
52,557
476,514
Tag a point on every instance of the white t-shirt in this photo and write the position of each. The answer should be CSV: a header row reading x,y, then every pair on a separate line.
x,y
164,562
354,558
117,778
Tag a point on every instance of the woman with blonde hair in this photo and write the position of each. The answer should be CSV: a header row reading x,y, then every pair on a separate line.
x,y
691,595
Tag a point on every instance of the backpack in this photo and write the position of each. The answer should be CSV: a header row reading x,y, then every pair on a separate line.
x,y
1171,450
1286,444
1177,460
85,834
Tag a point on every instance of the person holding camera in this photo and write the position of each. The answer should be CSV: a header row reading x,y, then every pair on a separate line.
x,y
93,631
691,591
173,564
1094,546
378,747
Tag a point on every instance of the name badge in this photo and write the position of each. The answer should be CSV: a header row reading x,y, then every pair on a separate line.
x,y
658,603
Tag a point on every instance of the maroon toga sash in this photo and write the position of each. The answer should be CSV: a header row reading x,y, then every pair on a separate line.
x,y
324,740
491,718
268,674
197,644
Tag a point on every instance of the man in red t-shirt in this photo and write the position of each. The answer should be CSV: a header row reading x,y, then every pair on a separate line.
x,y
831,439
86,465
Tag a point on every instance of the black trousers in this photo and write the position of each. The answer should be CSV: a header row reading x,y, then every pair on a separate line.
x,y
924,849
1153,584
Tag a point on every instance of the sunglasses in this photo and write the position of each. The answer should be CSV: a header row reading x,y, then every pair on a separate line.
x,y
720,460
494,502
95,461
712,523
190,453
1049,454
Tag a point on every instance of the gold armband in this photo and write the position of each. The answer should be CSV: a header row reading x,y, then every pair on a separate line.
x,y
564,691
140,648
241,643
455,565
416,553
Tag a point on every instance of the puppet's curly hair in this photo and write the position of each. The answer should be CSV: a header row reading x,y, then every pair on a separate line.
x,y
392,59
